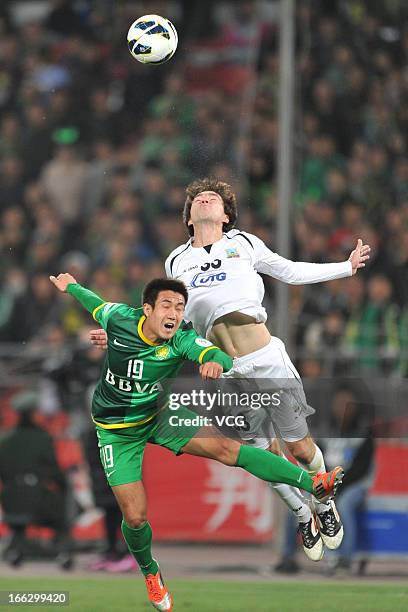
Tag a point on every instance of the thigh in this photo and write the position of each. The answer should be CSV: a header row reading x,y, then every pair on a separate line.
x,y
289,409
121,453
175,428
240,398
210,443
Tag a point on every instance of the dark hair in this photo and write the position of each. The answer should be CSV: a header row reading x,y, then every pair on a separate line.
x,y
211,184
152,289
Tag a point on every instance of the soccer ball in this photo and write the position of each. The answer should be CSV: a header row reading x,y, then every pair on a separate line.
x,y
152,39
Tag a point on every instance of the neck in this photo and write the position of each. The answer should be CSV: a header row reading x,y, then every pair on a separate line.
x,y
206,233
149,333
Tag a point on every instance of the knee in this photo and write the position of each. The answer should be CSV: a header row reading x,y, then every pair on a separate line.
x,y
134,518
134,521
227,451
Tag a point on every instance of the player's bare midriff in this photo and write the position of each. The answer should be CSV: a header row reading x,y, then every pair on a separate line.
x,y
239,334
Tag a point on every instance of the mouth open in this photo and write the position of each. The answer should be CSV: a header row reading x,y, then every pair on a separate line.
x,y
169,325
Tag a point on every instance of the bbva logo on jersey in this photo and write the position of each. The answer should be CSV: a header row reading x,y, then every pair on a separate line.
x,y
207,280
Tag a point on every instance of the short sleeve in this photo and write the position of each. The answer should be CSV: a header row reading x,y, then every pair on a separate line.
x,y
103,312
191,346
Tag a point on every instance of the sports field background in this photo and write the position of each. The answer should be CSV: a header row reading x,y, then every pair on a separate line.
x,y
221,579
123,594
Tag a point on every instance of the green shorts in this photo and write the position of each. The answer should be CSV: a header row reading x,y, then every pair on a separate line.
x,y
122,450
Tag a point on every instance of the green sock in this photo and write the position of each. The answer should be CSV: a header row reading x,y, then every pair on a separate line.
x,y
271,467
139,542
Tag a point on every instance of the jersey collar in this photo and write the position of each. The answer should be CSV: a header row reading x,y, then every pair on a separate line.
x,y
191,242
141,334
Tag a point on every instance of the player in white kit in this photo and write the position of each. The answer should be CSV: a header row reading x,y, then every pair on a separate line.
x,y
220,267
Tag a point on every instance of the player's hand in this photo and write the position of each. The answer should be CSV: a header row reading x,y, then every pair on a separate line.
x,y
360,254
99,338
211,369
62,281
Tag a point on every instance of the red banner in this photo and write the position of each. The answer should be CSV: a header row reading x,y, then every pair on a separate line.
x,y
194,499
201,500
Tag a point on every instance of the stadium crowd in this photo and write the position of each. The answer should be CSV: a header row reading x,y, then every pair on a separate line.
x,y
96,150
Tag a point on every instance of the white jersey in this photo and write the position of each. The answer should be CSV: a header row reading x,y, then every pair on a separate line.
x,y
224,277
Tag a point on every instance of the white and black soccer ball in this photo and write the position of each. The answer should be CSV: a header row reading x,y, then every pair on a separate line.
x,y
152,39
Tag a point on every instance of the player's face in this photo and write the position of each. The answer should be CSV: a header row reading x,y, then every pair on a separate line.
x,y
165,318
208,206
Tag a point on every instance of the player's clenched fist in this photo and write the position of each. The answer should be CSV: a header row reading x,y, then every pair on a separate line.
x,y
211,369
62,281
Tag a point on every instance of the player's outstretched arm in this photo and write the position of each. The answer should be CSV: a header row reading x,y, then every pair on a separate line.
x,y
302,272
67,284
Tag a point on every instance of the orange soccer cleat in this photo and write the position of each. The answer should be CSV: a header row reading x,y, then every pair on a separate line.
x,y
159,596
326,484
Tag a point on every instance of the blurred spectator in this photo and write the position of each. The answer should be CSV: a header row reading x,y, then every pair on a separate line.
x,y
355,452
63,19
63,179
37,140
375,333
34,487
11,181
26,323
10,136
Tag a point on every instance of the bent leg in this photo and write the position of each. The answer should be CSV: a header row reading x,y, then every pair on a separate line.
x,y
260,463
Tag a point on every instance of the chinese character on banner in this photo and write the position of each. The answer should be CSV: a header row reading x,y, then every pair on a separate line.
x,y
229,490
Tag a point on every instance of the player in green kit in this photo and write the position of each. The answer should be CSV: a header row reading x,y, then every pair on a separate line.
x,y
146,348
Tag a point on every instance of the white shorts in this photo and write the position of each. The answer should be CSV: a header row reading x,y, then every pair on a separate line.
x,y
275,374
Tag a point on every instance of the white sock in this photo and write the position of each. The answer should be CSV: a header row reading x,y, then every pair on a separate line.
x,y
293,499
317,463
316,466
290,496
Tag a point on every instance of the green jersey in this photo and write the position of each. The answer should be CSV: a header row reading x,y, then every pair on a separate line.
x,y
132,386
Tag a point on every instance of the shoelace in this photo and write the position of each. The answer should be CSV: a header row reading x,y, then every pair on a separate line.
x,y
329,522
154,588
307,535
